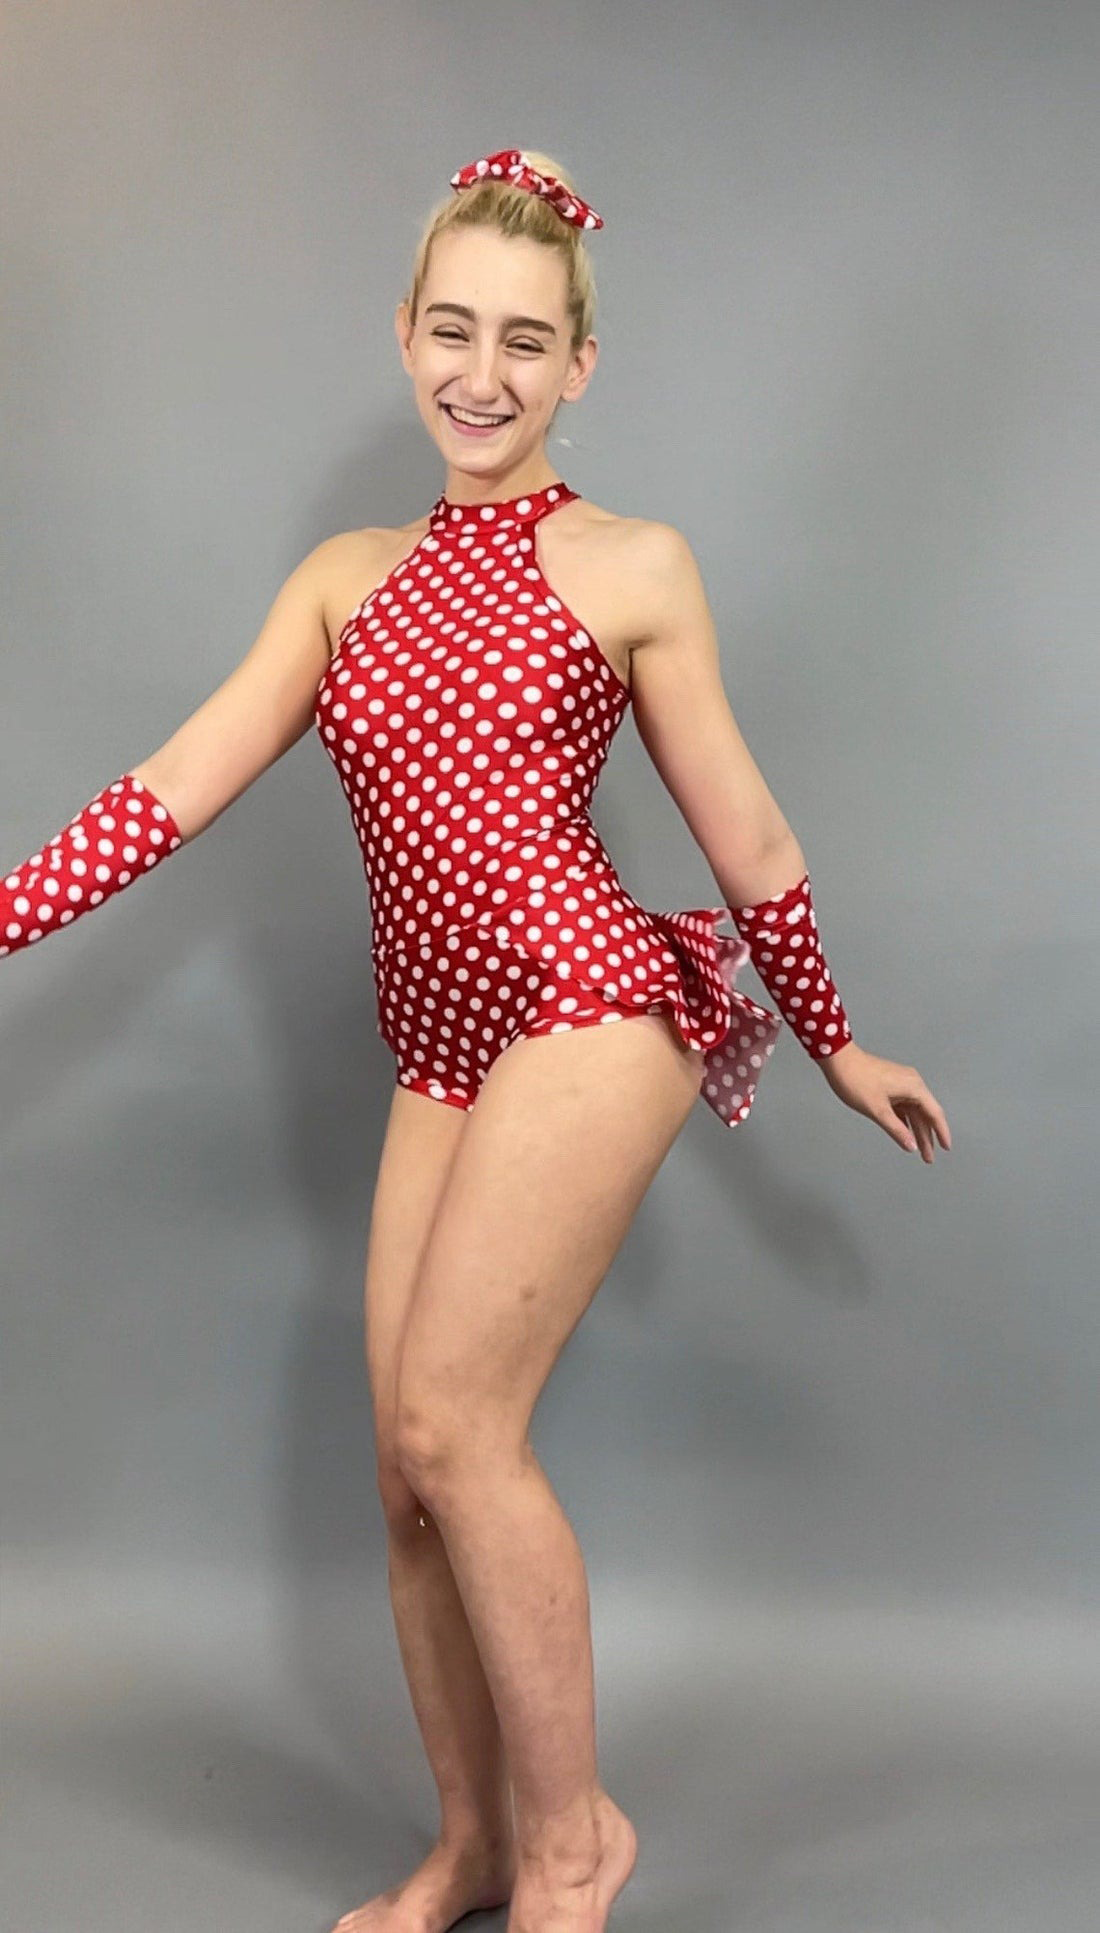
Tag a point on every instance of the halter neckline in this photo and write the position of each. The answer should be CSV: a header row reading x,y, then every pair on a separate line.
x,y
523,509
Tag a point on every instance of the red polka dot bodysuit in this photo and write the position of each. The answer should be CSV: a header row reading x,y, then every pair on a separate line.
x,y
468,714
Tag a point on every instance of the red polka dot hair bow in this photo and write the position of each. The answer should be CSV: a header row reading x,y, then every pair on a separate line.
x,y
512,165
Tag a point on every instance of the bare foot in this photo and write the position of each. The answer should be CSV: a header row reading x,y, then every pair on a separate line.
x,y
453,1880
538,1906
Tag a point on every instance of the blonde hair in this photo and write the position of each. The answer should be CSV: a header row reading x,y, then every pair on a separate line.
x,y
499,204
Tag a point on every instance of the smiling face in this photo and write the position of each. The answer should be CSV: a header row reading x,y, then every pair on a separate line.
x,y
492,339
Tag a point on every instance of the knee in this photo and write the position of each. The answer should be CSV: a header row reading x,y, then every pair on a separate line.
x,y
428,1444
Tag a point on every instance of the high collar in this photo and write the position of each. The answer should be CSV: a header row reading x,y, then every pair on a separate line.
x,y
502,510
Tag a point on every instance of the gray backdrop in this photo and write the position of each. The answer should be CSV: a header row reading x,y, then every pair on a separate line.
x,y
829,1434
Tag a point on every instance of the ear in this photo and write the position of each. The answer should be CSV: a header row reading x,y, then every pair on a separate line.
x,y
403,329
581,366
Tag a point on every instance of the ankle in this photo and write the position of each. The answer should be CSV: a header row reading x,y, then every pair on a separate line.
x,y
564,1845
470,1832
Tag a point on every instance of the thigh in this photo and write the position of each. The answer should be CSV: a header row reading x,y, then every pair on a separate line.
x,y
418,1151
567,1132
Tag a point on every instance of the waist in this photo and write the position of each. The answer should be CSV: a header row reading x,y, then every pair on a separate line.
x,y
424,903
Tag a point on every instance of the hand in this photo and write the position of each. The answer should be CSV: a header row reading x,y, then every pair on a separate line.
x,y
894,1096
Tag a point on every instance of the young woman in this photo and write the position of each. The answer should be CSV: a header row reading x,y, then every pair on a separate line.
x,y
467,704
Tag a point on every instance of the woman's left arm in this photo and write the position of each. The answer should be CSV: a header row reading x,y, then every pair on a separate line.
x,y
685,722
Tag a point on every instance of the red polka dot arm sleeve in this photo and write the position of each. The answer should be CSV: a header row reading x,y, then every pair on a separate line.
x,y
118,836
783,940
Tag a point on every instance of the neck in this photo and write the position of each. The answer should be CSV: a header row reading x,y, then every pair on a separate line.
x,y
461,487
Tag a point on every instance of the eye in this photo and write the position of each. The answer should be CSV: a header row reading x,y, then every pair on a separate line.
x,y
455,335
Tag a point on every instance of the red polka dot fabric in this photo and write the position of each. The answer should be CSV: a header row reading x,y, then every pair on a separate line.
x,y
468,714
784,940
118,837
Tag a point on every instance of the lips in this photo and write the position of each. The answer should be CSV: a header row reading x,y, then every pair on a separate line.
x,y
480,424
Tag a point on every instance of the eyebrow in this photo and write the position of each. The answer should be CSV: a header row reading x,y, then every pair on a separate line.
x,y
508,321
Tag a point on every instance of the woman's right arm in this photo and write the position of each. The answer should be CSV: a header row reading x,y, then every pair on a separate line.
x,y
260,711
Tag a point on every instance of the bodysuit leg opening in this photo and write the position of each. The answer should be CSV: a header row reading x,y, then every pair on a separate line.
x,y
596,1011
564,1006
436,1091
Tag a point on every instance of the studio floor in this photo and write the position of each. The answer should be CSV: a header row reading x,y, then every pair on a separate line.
x,y
194,1751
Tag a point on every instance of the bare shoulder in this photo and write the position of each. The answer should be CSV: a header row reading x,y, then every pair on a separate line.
x,y
604,566
353,563
664,572
659,553
640,546
609,529
653,571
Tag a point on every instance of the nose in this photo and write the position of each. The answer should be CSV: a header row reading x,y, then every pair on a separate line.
x,y
482,384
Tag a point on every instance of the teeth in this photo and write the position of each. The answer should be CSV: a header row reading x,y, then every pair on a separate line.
x,y
465,416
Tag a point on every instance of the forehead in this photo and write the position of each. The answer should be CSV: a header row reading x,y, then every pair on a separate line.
x,y
496,274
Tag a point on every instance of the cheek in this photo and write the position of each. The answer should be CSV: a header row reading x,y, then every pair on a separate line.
x,y
536,391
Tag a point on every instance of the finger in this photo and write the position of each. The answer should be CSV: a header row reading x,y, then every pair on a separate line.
x,y
927,1100
898,1131
919,1130
934,1123
937,1126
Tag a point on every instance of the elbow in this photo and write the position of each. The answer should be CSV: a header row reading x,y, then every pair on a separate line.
x,y
170,789
762,871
